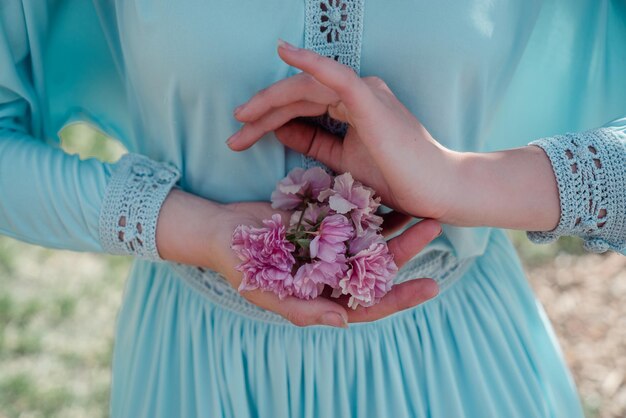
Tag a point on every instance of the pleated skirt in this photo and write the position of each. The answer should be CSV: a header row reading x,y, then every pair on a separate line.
x,y
482,348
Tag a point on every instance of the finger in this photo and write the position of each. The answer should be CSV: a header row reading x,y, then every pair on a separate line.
x,y
251,132
314,142
319,311
300,87
352,90
401,296
377,83
406,245
394,221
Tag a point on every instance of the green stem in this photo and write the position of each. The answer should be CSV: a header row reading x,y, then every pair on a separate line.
x,y
306,204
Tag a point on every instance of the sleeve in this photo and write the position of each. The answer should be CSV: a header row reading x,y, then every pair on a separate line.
x,y
48,197
590,170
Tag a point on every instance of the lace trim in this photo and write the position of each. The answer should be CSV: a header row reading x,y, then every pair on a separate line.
x,y
591,176
216,288
334,28
439,265
131,206
442,266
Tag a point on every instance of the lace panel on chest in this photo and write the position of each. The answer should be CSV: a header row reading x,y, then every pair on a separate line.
x,y
334,28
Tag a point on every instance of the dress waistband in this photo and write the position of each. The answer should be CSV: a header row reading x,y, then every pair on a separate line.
x,y
439,265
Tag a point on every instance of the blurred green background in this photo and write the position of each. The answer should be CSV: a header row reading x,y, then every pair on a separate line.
x,y
58,312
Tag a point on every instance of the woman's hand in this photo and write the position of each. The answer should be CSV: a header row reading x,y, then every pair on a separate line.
x,y
194,231
385,147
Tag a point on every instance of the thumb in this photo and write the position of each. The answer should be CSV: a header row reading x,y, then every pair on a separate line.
x,y
318,311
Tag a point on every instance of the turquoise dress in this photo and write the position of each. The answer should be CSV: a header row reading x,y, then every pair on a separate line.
x,y
164,77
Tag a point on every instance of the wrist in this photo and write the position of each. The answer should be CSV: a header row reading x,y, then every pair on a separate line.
x,y
452,189
185,226
432,185
470,173
513,189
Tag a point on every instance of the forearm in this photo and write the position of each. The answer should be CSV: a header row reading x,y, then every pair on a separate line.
x,y
185,228
513,189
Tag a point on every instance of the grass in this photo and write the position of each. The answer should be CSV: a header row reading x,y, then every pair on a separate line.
x,y
536,255
57,317
20,392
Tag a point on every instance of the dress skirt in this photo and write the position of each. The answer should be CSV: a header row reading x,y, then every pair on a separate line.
x,y
482,348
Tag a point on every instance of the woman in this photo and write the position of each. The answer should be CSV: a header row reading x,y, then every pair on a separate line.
x,y
187,344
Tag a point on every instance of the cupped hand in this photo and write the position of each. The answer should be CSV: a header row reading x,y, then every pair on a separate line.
x,y
385,146
324,310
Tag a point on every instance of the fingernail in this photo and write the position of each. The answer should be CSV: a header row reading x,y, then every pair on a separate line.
x,y
334,319
440,233
239,108
233,138
287,45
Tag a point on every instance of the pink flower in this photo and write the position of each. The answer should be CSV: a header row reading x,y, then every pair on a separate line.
x,y
310,278
266,255
298,185
362,242
266,278
314,212
369,276
350,196
334,231
266,245
334,240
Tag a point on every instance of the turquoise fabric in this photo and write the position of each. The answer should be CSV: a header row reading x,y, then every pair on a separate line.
x,y
164,77
482,349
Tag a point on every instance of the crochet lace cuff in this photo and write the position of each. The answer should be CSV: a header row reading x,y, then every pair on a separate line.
x,y
133,199
591,177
